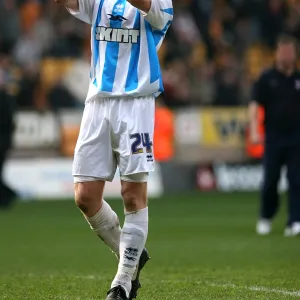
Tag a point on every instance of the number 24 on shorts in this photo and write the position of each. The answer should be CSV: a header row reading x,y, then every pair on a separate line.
x,y
141,138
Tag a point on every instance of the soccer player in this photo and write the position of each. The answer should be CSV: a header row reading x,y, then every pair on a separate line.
x,y
118,123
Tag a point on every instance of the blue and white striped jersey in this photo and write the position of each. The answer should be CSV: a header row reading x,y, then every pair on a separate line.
x,y
124,46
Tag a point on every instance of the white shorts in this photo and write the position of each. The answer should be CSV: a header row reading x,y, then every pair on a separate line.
x,y
115,132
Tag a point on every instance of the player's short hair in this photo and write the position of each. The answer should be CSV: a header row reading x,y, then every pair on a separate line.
x,y
285,39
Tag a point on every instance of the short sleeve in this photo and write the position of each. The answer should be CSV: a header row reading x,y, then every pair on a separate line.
x,y
85,12
259,90
160,14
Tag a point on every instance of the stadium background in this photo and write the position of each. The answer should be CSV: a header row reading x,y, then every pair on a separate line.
x,y
211,56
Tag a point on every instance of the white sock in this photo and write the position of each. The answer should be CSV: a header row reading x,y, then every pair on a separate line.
x,y
105,223
132,242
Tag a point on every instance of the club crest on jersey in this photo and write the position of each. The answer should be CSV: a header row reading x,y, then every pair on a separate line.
x,y
119,8
119,35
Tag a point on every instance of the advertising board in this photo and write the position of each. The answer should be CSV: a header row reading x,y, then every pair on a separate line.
x,y
52,179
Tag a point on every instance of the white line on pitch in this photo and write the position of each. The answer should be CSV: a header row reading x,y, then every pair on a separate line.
x,y
221,285
255,289
207,283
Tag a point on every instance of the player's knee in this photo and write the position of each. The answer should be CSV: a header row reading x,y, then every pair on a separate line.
x,y
83,197
132,200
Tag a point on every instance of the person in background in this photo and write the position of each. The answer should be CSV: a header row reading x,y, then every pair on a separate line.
x,y
278,92
164,141
7,195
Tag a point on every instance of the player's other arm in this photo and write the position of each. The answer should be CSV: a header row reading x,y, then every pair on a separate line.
x,y
81,9
258,99
252,115
159,13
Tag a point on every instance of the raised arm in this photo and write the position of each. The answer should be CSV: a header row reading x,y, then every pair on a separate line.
x,y
143,5
159,13
81,9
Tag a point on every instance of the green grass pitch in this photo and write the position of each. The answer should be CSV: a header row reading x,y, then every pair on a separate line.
x,y
203,246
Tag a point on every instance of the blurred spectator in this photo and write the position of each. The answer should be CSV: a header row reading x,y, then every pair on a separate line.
x,y
77,79
9,23
6,127
272,20
227,80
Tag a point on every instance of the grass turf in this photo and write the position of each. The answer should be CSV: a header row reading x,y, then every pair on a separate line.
x,y
203,246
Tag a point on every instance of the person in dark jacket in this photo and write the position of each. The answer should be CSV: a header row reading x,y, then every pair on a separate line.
x,y
7,195
278,92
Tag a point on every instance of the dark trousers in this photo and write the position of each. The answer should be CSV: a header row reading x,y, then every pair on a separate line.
x,y
7,195
278,154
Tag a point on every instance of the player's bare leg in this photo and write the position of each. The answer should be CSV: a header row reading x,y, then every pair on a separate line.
x,y
132,241
102,219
